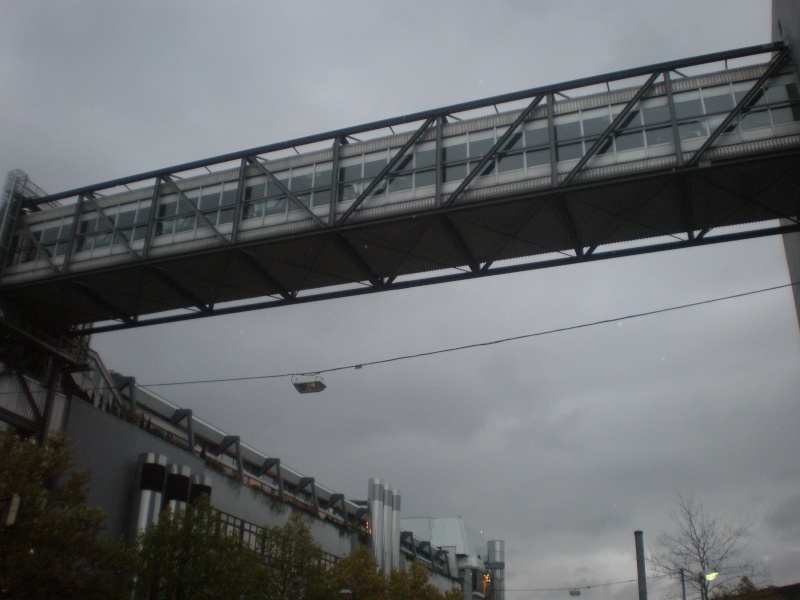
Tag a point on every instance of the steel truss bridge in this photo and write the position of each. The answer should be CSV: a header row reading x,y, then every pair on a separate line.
x,y
683,153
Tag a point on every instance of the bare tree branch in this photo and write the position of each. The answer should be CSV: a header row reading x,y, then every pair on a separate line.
x,y
702,542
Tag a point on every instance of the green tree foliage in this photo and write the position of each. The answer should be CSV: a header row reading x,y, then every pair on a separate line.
x,y
54,549
191,557
357,572
293,561
412,584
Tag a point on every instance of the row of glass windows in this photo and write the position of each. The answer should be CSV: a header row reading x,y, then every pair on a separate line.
x,y
648,125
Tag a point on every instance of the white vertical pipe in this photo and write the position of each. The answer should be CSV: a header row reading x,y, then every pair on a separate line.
x,y
386,563
396,530
376,518
150,479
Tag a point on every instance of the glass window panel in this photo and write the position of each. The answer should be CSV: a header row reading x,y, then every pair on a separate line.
x,y
185,206
142,215
273,206
350,173
305,200
478,148
348,191
487,169
275,189
379,189
568,131
322,197
323,178
126,219
632,119
398,183
209,199
229,196
425,158
688,109
405,162
716,120
595,125
423,178
692,129
255,191
569,151
537,137
373,167
778,93
455,172
659,135
455,153
253,210
139,232
88,225
608,146
629,141
514,142
102,240
719,104
61,249
50,234
755,120
788,114
226,216
538,157
758,99
167,209
302,182
656,114
185,224
510,162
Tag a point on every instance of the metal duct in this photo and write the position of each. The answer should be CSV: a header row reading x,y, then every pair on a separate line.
x,y
388,537
496,563
375,499
177,488
395,529
150,480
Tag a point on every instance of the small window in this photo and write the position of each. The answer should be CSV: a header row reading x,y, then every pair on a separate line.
x,y
350,173
568,131
510,162
629,141
323,177
301,182
455,172
654,115
570,151
425,158
755,120
425,178
373,167
537,158
537,137
691,130
595,126
478,148
788,114
399,183
688,109
659,135
719,104
254,192
455,153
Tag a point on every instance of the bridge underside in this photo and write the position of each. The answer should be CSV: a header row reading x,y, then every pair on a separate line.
x,y
631,215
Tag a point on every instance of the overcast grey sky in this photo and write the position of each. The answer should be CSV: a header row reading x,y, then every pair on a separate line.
x,y
561,445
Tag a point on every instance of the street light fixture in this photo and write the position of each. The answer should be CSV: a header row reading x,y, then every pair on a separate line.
x,y
308,384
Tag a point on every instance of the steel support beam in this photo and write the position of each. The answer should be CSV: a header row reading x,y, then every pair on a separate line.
x,y
292,198
490,154
385,171
773,66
